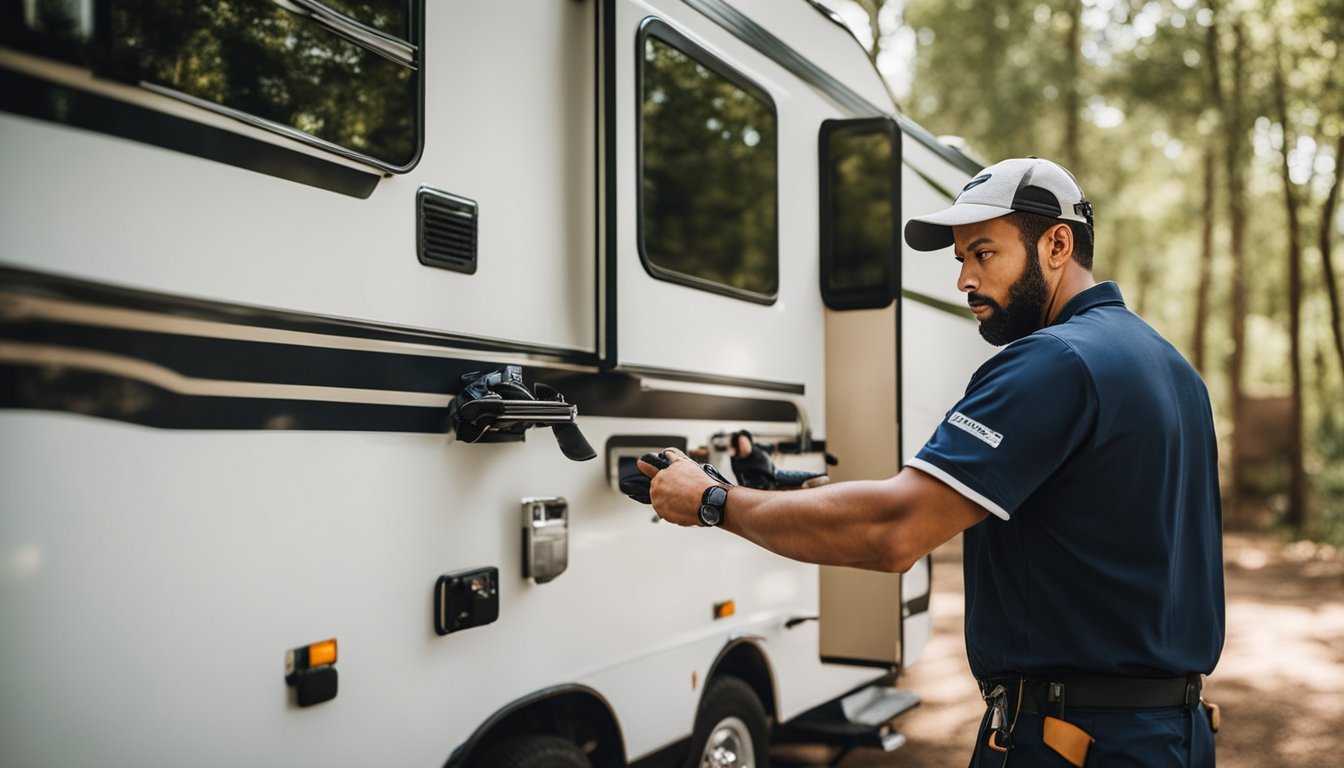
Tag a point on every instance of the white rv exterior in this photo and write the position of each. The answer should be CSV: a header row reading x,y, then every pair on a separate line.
x,y
225,378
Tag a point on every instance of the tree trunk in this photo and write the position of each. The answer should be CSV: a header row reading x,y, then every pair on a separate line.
x,y
873,8
1326,234
1205,259
1297,476
1235,153
1070,154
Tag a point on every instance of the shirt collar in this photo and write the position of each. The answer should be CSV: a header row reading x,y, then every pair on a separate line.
x,y
1096,296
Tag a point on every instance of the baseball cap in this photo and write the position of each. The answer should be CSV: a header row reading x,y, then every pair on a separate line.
x,y
1027,184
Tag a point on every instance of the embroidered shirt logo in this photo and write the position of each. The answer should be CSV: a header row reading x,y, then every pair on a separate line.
x,y
981,432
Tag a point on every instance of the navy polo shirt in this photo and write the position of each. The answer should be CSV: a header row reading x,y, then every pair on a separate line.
x,y
1091,444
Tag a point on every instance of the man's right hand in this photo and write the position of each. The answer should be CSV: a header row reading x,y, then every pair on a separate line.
x,y
675,490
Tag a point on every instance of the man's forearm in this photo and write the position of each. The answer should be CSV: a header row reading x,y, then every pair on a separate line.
x,y
851,524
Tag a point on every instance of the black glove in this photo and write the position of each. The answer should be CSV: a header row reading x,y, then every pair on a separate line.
x,y
756,470
635,484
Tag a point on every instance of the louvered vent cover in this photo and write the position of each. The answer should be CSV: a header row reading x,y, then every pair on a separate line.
x,y
446,234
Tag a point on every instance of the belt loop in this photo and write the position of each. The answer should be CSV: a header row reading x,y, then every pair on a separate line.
x,y
1194,687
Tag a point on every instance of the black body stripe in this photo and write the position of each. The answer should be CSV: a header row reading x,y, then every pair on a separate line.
x,y
41,99
45,366
121,399
39,284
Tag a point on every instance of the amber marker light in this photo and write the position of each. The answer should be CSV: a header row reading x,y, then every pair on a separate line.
x,y
322,653
725,609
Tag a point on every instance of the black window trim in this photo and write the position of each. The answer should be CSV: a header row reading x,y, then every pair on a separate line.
x,y
345,28
865,297
390,47
655,27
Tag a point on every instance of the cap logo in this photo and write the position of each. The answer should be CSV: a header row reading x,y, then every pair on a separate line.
x,y
977,181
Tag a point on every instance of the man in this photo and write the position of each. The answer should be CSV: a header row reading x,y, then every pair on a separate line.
x,y
1082,466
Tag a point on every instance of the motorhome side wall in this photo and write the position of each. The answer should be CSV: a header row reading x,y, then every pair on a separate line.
x,y
224,394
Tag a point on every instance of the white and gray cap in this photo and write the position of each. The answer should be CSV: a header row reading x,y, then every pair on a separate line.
x,y
1027,184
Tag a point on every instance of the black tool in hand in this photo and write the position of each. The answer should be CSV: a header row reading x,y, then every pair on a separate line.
x,y
635,484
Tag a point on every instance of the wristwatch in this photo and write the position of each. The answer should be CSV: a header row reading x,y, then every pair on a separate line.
x,y
712,502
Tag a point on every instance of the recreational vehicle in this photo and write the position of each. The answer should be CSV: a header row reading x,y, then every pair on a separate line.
x,y
327,328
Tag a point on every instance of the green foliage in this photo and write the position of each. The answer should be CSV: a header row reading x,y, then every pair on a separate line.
x,y
699,124
1147,98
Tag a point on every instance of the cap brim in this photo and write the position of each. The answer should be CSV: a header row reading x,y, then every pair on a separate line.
x,y
933,231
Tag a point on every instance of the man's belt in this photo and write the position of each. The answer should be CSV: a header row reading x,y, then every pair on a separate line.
x,y
1038,696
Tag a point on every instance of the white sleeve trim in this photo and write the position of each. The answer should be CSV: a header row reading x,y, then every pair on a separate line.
x,y
959,487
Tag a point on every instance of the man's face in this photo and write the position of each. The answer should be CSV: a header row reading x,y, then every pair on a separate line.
x,y
1002,280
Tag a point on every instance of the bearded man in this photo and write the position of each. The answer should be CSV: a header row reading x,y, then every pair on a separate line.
x,y
1082,466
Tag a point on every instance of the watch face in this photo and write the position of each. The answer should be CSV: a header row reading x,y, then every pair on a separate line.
x,y
711,505
710,515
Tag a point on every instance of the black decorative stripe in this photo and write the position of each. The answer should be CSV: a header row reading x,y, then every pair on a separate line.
x,y
960,310
651,372
109,396
763,40
34,97
917,606
955,157
619,395
201,357
46,368
99,294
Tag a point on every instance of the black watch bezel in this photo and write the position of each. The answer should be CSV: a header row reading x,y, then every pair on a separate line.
x,y
711,512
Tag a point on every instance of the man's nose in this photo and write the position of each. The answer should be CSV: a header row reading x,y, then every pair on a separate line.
x,y
967,281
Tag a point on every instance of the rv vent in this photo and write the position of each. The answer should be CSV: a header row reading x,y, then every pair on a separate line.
x,y
446,230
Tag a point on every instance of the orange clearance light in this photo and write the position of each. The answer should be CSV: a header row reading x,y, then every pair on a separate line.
x,y
725,609
311,671
322,653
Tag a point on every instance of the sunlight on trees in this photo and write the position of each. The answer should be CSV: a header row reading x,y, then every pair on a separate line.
x,y
1211,134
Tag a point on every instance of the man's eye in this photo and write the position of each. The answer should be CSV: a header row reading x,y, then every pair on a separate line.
x,y
982,255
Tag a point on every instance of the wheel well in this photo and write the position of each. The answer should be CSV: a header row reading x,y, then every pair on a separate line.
x,y
743,659
576,713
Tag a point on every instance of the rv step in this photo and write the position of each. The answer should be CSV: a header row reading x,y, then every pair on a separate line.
x,y
861,719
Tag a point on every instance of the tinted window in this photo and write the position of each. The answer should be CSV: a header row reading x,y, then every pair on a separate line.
x,y
708,150
860,201
252,56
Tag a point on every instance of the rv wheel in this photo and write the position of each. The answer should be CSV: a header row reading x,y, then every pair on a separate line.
x,y
537,752
730,728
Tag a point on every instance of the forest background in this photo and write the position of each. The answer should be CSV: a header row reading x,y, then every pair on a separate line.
x,y
1209,135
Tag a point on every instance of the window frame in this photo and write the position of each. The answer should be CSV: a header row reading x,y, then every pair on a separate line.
x,y
867,296
321,16
653,27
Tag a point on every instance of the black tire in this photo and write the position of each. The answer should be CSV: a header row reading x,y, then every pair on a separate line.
x,y
730,728
535,752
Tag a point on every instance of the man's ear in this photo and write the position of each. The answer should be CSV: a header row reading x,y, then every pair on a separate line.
x,y
1057,245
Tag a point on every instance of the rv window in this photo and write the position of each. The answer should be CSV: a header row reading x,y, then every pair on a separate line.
x,y
707,197
860,202
305,68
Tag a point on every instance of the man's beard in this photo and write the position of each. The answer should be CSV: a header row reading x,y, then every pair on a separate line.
x,y
1026,306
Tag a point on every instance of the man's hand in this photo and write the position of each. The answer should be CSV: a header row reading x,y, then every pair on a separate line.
x,y
676,490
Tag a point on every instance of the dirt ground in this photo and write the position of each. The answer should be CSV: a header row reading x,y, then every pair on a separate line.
x,y
1280,682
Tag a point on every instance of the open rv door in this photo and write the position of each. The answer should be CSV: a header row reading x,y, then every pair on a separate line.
x,y
867,618
899,348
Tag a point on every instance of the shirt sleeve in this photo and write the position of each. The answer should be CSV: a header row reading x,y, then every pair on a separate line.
x,y
1024,413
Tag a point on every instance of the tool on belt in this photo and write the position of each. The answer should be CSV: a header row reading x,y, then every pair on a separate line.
x,y
1049,699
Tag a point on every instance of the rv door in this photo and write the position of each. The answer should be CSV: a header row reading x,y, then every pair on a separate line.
x,y
867,618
